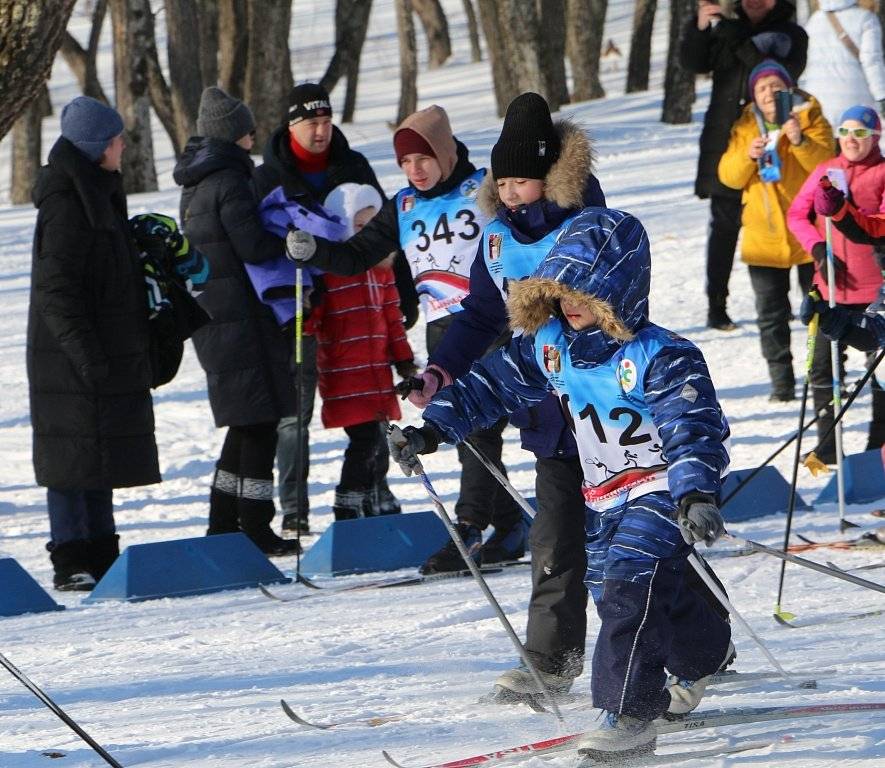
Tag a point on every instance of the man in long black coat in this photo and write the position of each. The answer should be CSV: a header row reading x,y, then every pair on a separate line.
x,y
728,48
308,157
88,345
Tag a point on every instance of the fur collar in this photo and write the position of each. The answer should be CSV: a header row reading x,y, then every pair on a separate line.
x,y
533,302
566,179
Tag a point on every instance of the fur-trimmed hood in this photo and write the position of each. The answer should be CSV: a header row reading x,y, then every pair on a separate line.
x,y
567,178
602,259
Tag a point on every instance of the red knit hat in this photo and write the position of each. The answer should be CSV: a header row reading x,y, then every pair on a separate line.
x,y
409,142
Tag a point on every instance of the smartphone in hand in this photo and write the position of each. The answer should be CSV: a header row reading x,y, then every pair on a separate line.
x,y
783,105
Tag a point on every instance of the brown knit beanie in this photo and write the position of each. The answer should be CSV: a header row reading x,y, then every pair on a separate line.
x,y
432,125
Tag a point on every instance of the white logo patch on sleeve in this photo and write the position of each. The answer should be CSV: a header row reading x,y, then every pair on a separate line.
x,y
689,393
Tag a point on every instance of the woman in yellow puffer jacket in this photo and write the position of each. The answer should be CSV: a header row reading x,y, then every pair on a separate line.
x,y
769,162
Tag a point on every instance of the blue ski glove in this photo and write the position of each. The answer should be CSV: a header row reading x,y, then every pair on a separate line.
x,y
406,444
699,519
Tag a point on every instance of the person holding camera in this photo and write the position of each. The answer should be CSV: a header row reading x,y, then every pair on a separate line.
x,y
727,46
773,148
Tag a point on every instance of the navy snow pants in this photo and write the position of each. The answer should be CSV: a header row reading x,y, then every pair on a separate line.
x,y
651,619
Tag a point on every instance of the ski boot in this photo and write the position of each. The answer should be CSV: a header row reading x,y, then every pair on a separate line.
x,y
617,740
518,686
504,546
685,695
448,558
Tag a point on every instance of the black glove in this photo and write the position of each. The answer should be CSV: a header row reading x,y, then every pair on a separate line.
x,y
835,322
300,246
819,254
406,444
699,519
405,369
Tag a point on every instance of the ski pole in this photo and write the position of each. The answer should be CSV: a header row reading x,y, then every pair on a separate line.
x,y
837,384
757,547
501,478
848,401
475,572
809,358
57,711
697,562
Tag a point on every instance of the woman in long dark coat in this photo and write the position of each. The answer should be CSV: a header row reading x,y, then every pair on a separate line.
x,y
87,352
243,350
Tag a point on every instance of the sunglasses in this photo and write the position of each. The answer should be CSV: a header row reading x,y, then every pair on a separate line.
x,y
858,133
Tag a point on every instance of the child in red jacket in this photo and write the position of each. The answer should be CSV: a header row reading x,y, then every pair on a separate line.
x,y
359,331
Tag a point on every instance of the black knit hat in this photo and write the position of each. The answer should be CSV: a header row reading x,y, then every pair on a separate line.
x,y
529,144
222,116
308,100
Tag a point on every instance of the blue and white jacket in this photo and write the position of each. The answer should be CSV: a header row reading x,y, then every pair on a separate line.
x,y
644,410
511,247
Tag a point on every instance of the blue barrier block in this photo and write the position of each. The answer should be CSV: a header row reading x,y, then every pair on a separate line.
x,y
864,480
20,593
384,543
768,493
186,567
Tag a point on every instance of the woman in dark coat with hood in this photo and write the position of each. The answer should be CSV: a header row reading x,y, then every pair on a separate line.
x,y
243,350
88,362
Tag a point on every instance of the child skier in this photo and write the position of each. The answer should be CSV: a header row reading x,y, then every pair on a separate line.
x,y
652,439
359,330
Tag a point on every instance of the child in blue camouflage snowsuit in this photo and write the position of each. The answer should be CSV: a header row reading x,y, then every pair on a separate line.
x,y
653,443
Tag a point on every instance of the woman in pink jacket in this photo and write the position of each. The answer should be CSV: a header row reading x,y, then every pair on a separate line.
x,y
858,274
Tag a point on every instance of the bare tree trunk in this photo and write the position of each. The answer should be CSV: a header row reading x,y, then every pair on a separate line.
x,y
208,20
27,146
351,23
551,14
639,64
436,29
408,60
185,74
503,78
585,24
521,27
268,65
82,60
133,28
233,46
678,81
473,31
30,35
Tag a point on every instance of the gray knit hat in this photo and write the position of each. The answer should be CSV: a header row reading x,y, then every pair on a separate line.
x,y
90,125
223,117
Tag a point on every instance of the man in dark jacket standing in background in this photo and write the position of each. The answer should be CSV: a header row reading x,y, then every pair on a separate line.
x,y
728,48
308,157
88,358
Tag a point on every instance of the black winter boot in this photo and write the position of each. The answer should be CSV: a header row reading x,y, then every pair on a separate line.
x,y
349,504
717,317
503,546
223,514
102,554
449,558
256,511
383,500
71,564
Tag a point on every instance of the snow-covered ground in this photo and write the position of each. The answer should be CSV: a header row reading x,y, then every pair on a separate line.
x,y
196,681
